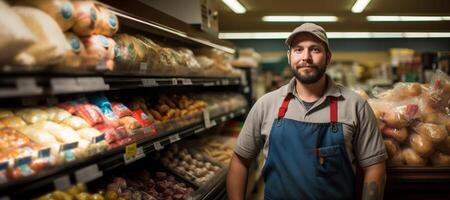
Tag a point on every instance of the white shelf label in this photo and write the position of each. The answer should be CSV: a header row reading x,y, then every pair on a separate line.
x,y
92,83
225,82
206,118
27,84
158,146
174,81
213,123
174,138
246,89
148,82
186,81
199,130
223,118
143,67
65,85
62,183
88,174
208,84
231,115
217,82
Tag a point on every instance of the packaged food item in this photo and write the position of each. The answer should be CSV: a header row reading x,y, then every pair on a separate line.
x,y
437,133
421,144
32,115
108,24
50,45
13,122
57,115
98,53
10,138
62,11
90,113
86,18
400,116
41,136
399,135
89,134
75,53
130,123
130,51
412,158
439,159
110,133
75,122
142,118
5,113
105,106
62,133
120,109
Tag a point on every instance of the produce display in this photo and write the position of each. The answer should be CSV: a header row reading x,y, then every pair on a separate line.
x,y
78,192
192,166
414,120
216,148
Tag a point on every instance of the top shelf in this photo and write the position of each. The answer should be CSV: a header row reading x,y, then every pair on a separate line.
x,y
140,16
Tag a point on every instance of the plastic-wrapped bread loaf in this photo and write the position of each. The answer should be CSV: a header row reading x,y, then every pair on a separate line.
x,y
108,24
86,18
57,114
75,52
50,41
32,115
62,11
14,35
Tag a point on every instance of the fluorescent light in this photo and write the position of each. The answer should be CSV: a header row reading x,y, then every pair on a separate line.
x,y
406,18
235,6
300,18
337,35
359,6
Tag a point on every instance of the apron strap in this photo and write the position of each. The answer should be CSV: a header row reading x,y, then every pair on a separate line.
x,y
284,106
333,113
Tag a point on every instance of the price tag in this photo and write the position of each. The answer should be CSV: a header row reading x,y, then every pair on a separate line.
x,y
4,165
88,173
92,83
27,84
130,151
246,89
199,130
143,67
225,82
69,146
213,123
65,85
174,81
44,153
25,170
208,84
148,82
158,146
174,138
98,139
62,183
138,155
186,81
231,115
217,82
223,118
206,118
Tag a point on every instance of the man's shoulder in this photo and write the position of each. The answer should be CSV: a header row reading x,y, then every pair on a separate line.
x,y
351,96
269,99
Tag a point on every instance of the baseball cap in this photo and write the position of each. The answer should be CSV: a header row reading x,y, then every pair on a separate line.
x,y
314,29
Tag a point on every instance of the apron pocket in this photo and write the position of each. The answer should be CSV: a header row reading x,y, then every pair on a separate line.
x,y
329,160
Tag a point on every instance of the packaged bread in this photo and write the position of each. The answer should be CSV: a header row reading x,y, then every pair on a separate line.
x,y
437,133
89,133
63,134
130,123
399,135
41,136
57,115
75,122
5,113
15,36
10,138
49,47
131,51
108,24
439,159
100,52
421,144
13,122
412,158
32,115
62,11
73,57
90,113
86,18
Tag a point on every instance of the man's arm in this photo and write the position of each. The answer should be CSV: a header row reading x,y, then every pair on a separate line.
x,y
374,181
237,177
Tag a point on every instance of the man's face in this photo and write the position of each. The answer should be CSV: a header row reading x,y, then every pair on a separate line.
x,y
308,58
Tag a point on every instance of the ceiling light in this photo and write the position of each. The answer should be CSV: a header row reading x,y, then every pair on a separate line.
x,y
235,6
359,6
406,18
337,35
300,18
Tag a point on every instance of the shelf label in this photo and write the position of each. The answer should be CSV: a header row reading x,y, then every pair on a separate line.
x,y
213,123
69,146
174,138
148,82
231,115
98,139
208,84
225,82
246,89
158,146
101,65
199,130
88,174
174,81
206,118
62,183
4,165
27,84
138,153
223,118
44,153
218,82
143,67
64,85
130,151
186,81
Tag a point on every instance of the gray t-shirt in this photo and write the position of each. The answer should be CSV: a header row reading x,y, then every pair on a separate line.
x,y
363,141
308,105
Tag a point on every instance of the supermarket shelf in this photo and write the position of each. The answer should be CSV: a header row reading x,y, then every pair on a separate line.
x,y
22,86
82,171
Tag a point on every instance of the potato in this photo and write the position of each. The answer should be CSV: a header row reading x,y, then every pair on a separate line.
x,y
391,147
436,133
399,135
421,144
412,158
444,147
440,159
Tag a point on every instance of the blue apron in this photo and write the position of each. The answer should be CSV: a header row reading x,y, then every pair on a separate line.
x,y
307,160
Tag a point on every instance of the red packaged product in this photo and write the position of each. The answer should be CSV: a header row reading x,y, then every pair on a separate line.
x,y
142,118
70,106
110,133
90,113
120,109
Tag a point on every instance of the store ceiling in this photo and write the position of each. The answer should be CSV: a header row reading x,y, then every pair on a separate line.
x,y
347,21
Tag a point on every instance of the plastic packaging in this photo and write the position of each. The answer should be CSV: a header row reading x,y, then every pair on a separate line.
x,y
400,135
439,159
10,138
62,11
63,134
90,113
412,158
86,18
108,24
129,123
75,53
437,133
99,53
13,122
444,147
105,106
120,109
57,115
5,113
142,118
32,115
421,144
75,122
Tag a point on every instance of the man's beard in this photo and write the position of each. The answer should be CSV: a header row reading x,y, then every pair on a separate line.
x,y
318,72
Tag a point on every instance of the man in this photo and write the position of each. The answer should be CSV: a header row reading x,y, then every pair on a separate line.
x,y
313,133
